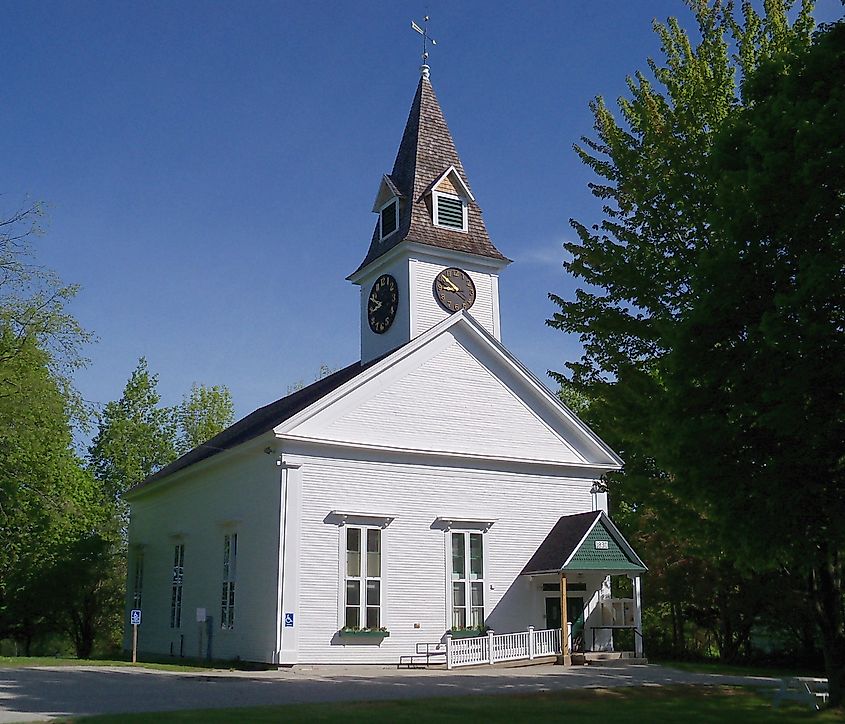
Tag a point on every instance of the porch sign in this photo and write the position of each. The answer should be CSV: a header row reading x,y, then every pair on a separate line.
x,y
135,620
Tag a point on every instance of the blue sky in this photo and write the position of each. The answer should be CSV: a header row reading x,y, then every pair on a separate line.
x,y
210,167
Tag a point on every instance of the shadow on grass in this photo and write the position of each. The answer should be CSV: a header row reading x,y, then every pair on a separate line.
x,y
687,704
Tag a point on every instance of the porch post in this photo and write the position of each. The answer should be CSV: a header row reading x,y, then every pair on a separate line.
x,y
638,617
564,629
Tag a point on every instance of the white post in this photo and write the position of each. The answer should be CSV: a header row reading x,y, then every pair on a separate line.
x,y
490,646
530,642
448,650
638,617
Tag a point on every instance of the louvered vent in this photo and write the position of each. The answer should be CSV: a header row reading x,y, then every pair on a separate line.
x,y
388,220
450,212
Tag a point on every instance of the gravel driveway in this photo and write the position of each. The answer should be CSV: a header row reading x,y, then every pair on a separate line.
x,y
39,693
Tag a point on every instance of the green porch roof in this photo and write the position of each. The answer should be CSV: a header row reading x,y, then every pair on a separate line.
x,y
592,554
584,542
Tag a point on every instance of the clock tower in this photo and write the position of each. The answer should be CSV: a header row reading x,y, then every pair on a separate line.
x,y
430,255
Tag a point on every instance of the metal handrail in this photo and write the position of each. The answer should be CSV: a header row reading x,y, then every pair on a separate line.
x,y
439,649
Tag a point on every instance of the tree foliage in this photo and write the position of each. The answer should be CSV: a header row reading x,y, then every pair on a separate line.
x,y
136,436
33,300
754,422
204,412
47,500
638,266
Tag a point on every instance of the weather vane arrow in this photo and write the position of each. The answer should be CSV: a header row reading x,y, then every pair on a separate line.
x,y
426,40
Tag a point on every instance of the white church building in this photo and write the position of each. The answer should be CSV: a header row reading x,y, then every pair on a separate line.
x,y
434,495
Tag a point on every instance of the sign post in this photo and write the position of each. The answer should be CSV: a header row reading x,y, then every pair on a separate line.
x,y
135,620
201,616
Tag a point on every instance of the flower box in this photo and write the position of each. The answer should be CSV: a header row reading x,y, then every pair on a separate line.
x,y
363,633
467,633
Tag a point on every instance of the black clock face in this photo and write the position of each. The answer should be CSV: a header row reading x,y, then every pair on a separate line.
x,y
382,304
454,289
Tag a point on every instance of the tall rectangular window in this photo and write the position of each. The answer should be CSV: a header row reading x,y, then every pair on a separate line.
x,y
467,580
363,578
230,565
138,579
176,586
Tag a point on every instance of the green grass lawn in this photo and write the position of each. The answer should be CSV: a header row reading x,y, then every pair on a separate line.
x,y
9,662
714,667
685,704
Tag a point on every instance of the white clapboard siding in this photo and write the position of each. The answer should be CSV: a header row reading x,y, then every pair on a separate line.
x,y
427,311
450,402
240,495
524,506
375,345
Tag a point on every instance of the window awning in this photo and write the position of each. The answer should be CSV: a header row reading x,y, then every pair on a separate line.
x,y
584,542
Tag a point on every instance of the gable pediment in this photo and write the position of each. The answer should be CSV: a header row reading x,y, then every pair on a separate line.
x,y
452,392
451,182
386,191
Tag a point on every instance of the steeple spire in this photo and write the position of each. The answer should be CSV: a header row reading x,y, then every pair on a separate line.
x,y
425,154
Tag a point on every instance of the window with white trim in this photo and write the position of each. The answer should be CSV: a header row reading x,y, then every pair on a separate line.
x,y
388,218
138,579
363,591
450,211
230,569
176,585
467,579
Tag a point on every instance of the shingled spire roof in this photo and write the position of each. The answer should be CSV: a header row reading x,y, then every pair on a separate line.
x,y
426,152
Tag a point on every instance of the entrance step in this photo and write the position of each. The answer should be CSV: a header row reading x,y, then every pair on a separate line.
x,y
607,658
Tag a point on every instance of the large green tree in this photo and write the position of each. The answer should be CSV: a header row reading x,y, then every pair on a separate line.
x,y
636,266
754,425
47,500
46,497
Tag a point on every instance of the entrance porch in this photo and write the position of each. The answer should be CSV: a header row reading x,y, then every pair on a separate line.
x,y
586,574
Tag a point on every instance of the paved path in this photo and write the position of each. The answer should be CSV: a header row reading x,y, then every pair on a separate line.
x,y
39,693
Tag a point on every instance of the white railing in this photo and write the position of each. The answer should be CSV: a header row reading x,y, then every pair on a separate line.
x,y
492,648
547,642
466,652
511,646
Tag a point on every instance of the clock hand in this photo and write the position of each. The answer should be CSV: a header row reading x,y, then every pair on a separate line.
x,y
452,286
375,301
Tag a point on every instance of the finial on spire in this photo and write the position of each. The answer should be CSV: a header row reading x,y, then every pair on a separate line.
x,y
424,69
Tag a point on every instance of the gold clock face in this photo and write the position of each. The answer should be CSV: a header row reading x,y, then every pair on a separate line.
x,y
454,289
383,303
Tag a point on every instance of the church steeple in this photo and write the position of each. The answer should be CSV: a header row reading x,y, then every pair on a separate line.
x,y
430,254
426,153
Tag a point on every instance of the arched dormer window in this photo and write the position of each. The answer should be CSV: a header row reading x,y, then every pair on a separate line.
x,y
450,197
387,207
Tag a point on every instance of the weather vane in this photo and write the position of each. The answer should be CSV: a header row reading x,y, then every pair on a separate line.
x,y
426,39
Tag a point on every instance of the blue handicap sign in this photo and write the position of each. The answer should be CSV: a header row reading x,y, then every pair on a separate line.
x,y
288,620
135,616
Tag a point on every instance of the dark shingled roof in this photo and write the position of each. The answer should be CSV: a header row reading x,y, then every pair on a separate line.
x,y
257,423
561,542
425,153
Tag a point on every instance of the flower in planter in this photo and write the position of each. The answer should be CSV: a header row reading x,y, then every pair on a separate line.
x,y
356,630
